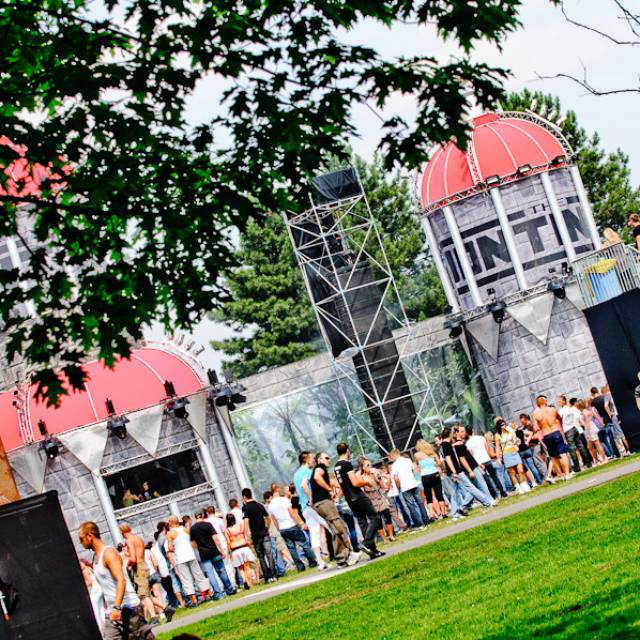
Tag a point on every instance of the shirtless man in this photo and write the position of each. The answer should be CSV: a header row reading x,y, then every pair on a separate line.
x,y
547,420
134,554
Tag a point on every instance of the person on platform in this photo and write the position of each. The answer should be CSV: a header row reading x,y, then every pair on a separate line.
x,y
322,490
634,223
258,520
351,484
147,492
123,608
547,420
203,535
128,498
183,559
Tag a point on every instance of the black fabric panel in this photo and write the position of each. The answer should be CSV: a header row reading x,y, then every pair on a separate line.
x,y
335,186
615,329
37,557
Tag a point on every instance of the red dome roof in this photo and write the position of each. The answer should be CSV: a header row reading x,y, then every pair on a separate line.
x,y
499,145
132,384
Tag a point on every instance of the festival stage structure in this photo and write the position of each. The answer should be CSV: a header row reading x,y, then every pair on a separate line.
x,y
152,418
354,295
505,221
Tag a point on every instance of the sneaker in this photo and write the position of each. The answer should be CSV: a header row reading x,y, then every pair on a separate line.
x,y
190,605
154,621
246,587
169,612
366,549
378,554
322,567
353,558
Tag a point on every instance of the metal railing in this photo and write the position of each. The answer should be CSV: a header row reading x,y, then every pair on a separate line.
x,y
607,273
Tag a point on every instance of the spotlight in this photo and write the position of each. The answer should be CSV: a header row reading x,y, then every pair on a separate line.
x,y
497,309
228,375
455,324
492,181
230,395
213,377
169,389
558,160
178,407
50,446
117,426
524,169
110,408
556,284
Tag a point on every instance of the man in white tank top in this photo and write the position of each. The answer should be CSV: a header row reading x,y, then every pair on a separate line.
x,y
124,612
183,559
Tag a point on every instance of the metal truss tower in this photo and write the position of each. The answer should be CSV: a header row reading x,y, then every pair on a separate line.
x,y
338,247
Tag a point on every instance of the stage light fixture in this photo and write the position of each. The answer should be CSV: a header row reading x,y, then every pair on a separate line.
x,y
50,446
42,427
230,395
524,169
178,407
108,403
492,181
497,309
213,377
558,160
117,426
557,288
169,389
455,324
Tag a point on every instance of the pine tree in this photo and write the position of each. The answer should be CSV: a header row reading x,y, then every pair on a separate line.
x,y
269,305
606,176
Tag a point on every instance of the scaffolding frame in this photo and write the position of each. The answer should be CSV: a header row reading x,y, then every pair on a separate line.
x,y
352,221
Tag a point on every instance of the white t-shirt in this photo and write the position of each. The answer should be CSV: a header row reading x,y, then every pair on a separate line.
x,y
156,554
570,418
403,468
279,509
477,446
217,524
239,516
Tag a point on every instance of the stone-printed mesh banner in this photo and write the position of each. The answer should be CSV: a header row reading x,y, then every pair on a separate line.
x,y
574,296
534,315
486,332
198,413
30,462
144,427
87,444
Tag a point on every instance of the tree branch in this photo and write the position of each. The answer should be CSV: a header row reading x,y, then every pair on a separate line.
x,y
602,33
629,17
585,83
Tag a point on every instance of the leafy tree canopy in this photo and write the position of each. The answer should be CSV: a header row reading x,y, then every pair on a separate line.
x,y
132,223
606,176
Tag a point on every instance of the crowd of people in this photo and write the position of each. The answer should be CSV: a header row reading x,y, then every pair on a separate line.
x,y
342,510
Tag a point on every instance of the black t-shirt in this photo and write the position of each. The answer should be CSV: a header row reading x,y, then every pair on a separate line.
x,y
599,404
351,493
522,446
448,450
463,452
636,231
256,514
318,493
202,533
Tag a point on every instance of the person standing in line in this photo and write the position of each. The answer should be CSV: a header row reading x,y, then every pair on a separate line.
x,y
351,484
237,536
618,434
281,556
470,464
234,508
123,608
183,559
496,462
588,423
291,528
535,445
322,488
379,499
136,563
258,521
203,535
314,522
524,436
161,542
507,448
477,446
462,491
571,426
402,474
400,507
431,469
601,407
547,420
161,565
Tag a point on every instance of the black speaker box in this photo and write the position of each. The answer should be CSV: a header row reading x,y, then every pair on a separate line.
x,y
39,562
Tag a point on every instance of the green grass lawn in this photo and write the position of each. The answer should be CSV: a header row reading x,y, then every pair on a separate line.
x,y
567,569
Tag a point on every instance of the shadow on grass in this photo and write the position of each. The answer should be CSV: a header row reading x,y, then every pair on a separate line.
x,y
596,617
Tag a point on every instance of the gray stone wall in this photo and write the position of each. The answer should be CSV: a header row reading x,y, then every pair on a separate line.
x,y
568,364
78,497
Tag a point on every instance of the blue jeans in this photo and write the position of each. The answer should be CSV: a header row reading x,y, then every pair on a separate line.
x,y
294,538
608,440
401,508
216,566
527,458
481,483
278,562
465,486
415,506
